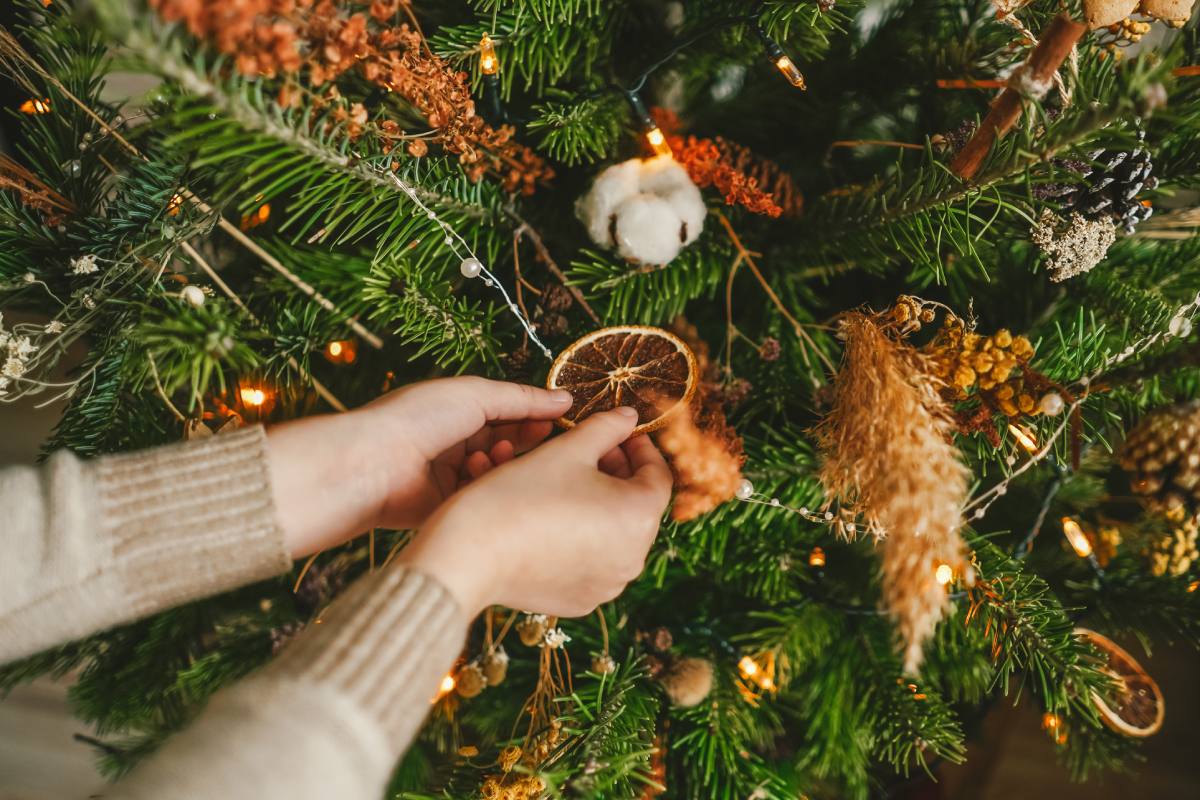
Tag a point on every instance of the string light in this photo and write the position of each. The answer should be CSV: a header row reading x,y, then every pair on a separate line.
x,y
654,135
816,558
1079,542
36,106
174,206
252,396
256,217
1193,586
488,63
343,351
782,61
761,676
1023,437
446,687
944,574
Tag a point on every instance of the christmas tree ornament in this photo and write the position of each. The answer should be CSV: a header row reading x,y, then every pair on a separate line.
x,y
1175,13
1110,183
1102,13
192,295
1162,457
1051,404
645,210
687,681
887,457
470,267
1175,553
532,629
603,664
1074,246
495,666
1137,708
648,369
470,681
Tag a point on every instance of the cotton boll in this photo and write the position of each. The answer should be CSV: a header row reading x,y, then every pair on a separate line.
x,y
689,206
648,230
661,175
611,188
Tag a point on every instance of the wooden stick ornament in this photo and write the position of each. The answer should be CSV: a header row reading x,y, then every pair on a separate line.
x,y
1032,79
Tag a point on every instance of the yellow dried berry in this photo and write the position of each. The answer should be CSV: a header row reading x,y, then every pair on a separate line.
x,y
1022,348
927,315
982,362
1007,407
1002,337
509,757
964,377
1000,372
970,341
1005,392
1026,404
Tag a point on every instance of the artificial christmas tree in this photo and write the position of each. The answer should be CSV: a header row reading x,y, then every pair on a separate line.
x,y
322,200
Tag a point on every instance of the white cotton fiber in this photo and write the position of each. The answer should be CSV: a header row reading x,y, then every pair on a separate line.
x,y
651,206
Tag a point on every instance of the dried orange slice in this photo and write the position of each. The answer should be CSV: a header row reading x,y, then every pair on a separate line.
x,y
1140,707
629,365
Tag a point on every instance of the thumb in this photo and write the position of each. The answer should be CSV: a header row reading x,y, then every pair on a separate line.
x,y
599,433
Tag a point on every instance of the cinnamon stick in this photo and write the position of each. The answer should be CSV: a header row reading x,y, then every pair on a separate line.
x,y
1054,46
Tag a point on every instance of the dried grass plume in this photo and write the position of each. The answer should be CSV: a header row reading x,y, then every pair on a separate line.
x,y
887,456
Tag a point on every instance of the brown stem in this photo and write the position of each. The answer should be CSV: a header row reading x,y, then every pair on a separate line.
x,y
525,229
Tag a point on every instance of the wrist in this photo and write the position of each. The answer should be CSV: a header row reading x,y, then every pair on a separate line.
x,y
442,550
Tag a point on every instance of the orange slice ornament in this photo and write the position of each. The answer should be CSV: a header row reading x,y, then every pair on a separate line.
x,y
649,369
1138,707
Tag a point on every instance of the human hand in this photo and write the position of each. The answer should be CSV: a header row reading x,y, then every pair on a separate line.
x,y
392,462
557,531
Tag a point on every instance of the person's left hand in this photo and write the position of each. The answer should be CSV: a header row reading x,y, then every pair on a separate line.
x,y
392,462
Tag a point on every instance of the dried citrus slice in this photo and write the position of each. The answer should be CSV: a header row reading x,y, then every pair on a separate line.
x,y
630,365
1139,706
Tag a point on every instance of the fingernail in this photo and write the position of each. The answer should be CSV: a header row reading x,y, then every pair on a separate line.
x,y
626,411
561,396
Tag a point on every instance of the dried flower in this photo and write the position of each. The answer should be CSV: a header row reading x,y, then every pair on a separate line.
x,y
887,454
706,472
84,265
1073,248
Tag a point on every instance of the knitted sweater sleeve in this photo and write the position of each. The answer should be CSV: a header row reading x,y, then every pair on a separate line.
x,y
88,545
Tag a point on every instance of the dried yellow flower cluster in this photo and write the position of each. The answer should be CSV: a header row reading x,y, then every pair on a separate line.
x,y
1174,554
1105,542
988,365
513,787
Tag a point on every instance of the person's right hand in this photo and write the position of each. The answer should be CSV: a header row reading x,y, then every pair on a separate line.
x,y
557,531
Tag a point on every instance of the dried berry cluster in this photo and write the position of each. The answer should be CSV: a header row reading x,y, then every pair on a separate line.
x,y
288,38
742,176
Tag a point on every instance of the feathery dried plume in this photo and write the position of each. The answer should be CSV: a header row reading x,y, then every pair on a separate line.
x,y
887,455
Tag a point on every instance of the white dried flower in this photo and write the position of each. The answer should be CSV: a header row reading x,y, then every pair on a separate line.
x,y
1072,248
21,347
556,637
55,326
14,367
88,301
29,277
84,265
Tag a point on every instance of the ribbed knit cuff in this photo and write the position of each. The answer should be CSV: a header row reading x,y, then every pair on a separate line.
x,y
191,520
385,644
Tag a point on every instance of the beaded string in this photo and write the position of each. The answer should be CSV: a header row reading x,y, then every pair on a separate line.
x,y
471,266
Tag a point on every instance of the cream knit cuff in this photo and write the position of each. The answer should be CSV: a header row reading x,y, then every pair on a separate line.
x,y
385,644
190,520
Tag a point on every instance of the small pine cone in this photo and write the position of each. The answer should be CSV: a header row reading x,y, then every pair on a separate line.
x,y
553,324
516,363
557,298
470,681
688,681
1162,456
320,584
495,666
770,349
532,629
1111,182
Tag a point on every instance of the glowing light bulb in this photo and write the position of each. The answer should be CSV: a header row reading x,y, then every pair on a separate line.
x,y
1024,437
488,63
1193,586
253,397
790,71
1079,542
174,205
748,667
1050,721
448,684
658,141
816,558
335,348
944,574
36,106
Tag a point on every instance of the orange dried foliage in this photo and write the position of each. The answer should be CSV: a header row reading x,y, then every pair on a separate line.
x,y
272,38
33,192
742,176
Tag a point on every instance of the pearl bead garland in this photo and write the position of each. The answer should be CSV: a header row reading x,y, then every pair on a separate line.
x,y
471,267
1051,404
192,295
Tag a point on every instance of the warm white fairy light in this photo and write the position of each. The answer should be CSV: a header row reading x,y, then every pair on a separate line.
x,y
1076,537
470,265
944,574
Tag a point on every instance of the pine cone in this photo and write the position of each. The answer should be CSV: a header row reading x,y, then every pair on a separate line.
x,y
1162,457
557,298
1111,183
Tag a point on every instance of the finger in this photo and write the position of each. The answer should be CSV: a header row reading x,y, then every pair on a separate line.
x,y
481,440
615,463
650,469
478,464
599,433
531,434
502,452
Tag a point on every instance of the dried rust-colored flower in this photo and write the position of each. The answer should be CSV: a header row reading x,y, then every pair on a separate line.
x,y
742,176
887,455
